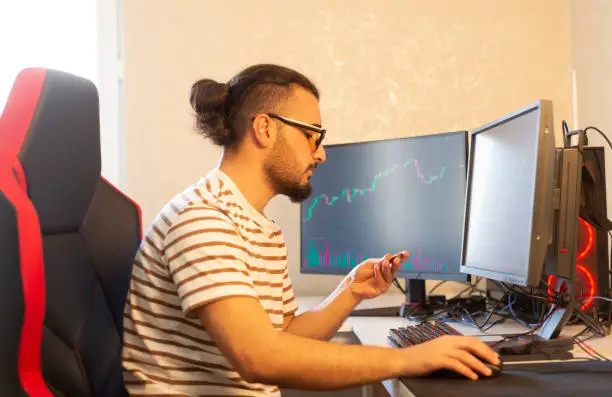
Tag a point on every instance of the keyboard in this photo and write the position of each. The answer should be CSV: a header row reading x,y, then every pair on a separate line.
x,y
525,348
416,334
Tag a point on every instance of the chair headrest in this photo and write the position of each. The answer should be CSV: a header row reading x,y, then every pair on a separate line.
x,y
60,153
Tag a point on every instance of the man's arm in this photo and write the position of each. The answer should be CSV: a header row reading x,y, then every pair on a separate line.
x,y
369,279
323,321
265,355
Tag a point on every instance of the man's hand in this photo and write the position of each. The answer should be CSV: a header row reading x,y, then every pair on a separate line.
x,y
455,353
374,276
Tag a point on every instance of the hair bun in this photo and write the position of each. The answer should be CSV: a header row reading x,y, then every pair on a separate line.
x,y
207,98
207,95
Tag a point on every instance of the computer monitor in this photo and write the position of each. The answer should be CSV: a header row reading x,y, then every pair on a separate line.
x,y
377,197
522,207
509,197
370,198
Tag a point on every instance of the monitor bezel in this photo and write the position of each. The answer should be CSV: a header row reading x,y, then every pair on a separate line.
x,y
542,212
459,277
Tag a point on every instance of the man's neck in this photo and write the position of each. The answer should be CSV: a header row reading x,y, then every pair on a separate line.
x,y
250,179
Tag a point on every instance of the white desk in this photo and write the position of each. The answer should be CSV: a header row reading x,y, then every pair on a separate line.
x,y
373,331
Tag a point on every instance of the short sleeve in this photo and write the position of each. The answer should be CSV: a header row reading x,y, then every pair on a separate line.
x,y
289,303
207,258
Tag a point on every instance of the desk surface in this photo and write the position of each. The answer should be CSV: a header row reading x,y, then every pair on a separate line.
x,y
373,331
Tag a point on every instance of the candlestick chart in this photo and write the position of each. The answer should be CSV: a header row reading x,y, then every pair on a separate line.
x,y
381,197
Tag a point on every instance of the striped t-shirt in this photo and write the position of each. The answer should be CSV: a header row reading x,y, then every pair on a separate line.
x,y
208,242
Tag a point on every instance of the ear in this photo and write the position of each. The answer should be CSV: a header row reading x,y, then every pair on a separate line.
x,y
264,131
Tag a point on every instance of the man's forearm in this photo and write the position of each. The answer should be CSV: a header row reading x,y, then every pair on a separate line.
x,y
324,321
296,362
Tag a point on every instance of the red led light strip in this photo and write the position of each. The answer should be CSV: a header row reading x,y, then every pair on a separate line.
x,y
581,268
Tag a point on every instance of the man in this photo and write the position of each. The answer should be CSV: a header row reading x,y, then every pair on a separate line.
x,y
211,309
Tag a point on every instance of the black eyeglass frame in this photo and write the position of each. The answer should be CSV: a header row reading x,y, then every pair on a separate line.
x,y
302,125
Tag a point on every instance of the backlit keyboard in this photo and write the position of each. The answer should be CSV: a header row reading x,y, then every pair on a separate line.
x,y
416,334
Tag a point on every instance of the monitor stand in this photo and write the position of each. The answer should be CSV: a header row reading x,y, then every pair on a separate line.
x,y
415,306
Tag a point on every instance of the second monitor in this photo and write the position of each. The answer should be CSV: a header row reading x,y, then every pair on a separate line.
x,y
509,212
371,198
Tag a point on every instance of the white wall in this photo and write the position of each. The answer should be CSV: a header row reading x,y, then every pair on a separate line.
x,y
386,69
109,82
591,22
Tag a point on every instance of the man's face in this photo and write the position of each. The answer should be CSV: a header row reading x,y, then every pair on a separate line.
x,y
291,162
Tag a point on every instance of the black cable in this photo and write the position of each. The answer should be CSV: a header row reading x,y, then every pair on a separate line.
x,y
540,309
592,323
459,313
589,350
398,285
597,320
530,332
588,329
494,309
473,323
545,313
580,343
513,288
584,348
435,287
471,287
600,133
575,339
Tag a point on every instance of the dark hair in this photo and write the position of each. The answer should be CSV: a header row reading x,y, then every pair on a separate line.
x,y
223,110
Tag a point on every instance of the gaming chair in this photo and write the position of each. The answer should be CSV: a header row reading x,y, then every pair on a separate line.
x,y
67,241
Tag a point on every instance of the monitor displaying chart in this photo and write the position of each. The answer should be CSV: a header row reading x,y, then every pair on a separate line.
x,y
371,198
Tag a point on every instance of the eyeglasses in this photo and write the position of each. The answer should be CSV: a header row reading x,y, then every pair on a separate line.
x,y
314,138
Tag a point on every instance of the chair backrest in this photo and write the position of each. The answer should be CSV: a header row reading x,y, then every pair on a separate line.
x,y
88,235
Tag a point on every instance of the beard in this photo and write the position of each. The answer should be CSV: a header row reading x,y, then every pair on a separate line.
x,y
281,172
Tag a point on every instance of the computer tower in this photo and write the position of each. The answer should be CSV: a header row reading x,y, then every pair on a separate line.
x,y
593,258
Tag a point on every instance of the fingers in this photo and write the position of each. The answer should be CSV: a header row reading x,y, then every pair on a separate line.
x,y
387,267
459,367
398,258
391,265
470,361
396,266
387,271
377,270
479,348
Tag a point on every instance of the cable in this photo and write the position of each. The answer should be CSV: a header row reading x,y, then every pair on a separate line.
x,y
544,315
435,287
598,297
540,310
530,332
589,350
398,285
518,320
592,323
459,313
513,288
471,287
493,309
566,142
600,133
576,341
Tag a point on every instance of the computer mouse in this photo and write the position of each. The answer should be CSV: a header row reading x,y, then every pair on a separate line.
x,y
496,370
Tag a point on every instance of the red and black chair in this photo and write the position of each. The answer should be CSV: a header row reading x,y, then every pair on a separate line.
x,y
67,241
